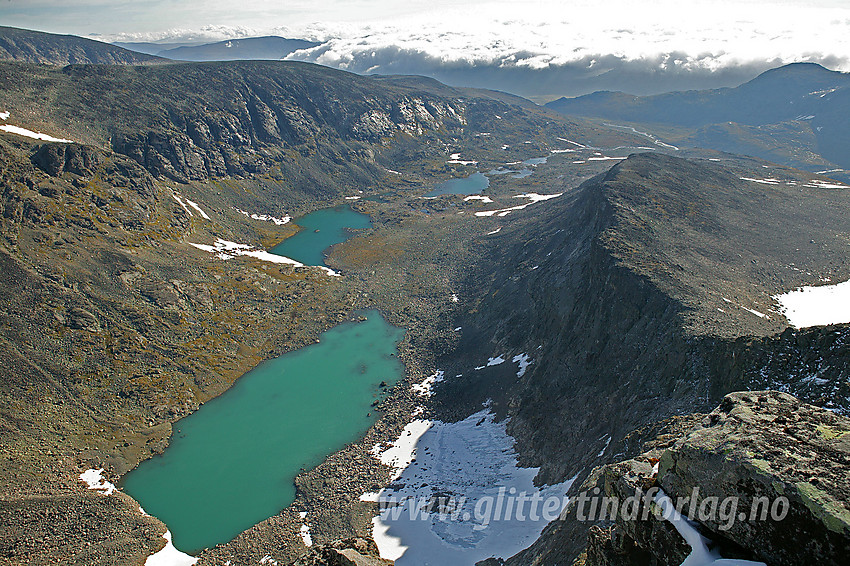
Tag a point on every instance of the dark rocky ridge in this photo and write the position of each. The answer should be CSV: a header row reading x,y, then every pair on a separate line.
x,y
51,49
615,293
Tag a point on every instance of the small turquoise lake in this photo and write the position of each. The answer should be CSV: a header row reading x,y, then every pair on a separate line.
x,y
472,185
321,230
232,463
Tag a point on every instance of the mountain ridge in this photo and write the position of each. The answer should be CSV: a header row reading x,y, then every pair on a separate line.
x,y
46,48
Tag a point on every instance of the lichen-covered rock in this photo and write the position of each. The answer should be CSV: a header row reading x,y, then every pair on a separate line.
x,y
769,445
347,552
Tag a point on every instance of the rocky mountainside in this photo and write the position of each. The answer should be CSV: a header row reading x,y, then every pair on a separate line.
x,y
772,468
51,49
645,293
785,114
201,121
635,292
114,326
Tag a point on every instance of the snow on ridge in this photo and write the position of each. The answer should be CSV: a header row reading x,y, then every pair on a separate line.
x,y
30,134
816,305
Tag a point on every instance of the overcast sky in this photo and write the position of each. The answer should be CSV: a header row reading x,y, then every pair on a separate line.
x,y
700,39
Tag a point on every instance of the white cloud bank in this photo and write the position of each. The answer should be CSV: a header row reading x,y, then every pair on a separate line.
x,y
500,44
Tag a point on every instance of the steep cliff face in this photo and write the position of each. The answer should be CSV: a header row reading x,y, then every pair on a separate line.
x,y
642,294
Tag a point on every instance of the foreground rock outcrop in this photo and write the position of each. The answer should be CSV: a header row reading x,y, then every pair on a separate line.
x,y
764,477
347,552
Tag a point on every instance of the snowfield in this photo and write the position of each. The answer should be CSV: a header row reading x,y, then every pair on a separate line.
x,y
456,494
816,306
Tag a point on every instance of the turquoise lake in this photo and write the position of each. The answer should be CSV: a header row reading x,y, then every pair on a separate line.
x,y
472,185
232,463
321,230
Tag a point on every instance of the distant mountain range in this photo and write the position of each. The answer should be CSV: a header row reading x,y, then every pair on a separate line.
x,y
801,102
252,48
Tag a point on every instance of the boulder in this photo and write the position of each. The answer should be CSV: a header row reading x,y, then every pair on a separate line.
x,y
760,450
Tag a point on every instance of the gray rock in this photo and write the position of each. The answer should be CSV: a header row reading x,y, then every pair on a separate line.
x,y
769,445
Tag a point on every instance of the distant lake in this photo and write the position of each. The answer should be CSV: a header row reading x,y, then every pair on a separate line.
x,y
232,463
321,230
472,185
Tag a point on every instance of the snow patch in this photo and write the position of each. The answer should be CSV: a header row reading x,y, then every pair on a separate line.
x,y
455,158
402,452
426,387
30,134
169,556
523,360
572,142
816,306
647,135
305,530
94,480
266,217
607,443
483,199
4,115
818,184
762,181
183,204
225,250
197,208
533,198
700,554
